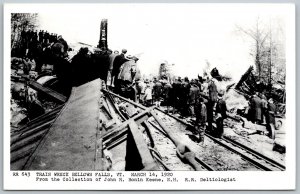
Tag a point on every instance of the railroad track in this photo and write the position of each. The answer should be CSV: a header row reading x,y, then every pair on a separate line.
x,y
254,158
255,153
126,133
150,127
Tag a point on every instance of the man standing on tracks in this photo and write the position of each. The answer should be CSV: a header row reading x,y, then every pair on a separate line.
x,y
175,94
212,99
201,117
157,91
185,89
193,94
221,114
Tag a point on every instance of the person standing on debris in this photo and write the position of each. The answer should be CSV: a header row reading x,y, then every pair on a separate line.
x,y
185,89
62,69
157,91
221,114
270,118
256,105
193,95
175,93
264,107
212,99
148,94
112,57
141,86
271,110
40,36
166,93
119,60
64,43
129,70
100,64
201,117
81,65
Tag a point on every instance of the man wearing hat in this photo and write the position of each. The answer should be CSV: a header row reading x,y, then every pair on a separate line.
x,y
119,60
221,114
112,57
148,94
256,105
193,95
157,91
64,43
212,99
201,117
271,112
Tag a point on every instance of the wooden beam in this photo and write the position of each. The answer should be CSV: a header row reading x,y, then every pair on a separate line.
x,y
55,95
147,159
137,118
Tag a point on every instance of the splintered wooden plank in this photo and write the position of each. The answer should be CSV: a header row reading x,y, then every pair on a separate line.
x,y
57,96
37,121
144,154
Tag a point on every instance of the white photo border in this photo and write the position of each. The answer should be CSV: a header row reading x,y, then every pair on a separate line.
x,y
285,180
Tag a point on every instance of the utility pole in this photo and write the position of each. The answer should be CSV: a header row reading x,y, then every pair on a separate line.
x,y
103,35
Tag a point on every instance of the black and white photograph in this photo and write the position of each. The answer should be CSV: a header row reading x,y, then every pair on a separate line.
x,y
160,90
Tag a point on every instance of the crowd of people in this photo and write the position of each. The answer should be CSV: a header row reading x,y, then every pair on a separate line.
x,y
36,46
261,110
190,98
200,98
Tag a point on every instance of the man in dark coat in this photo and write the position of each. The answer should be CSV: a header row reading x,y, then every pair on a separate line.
x,y
100,64
119,60
175,93
271,110
166,93
212,99
62,69
264,107
270,118
194,93
41,36
112,57
82,67
157,91
201,117
221,114
184,93
256,105
63,42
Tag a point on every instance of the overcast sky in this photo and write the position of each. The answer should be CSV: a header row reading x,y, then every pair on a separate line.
x,y
187,35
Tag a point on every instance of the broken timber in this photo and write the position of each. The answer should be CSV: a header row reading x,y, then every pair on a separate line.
x,y
55,95
76,135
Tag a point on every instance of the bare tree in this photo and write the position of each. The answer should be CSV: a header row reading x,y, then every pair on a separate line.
x,y
259,36
268,50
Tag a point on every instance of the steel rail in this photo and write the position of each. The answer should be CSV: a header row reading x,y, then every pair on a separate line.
x,y
115,107
203,164
252,161
255,153
125,99
232,149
